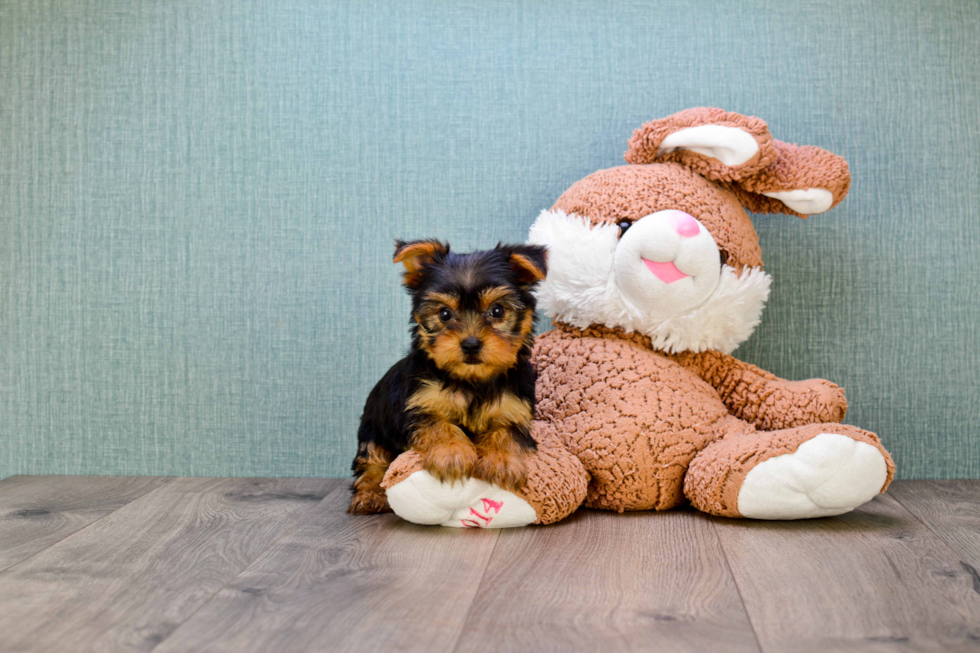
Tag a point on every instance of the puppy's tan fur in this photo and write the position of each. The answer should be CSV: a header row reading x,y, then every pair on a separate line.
x,y
446,451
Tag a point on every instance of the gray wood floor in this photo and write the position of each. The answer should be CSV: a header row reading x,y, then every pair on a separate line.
x,y
267,565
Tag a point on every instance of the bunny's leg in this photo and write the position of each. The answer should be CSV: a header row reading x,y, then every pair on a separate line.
x,y
816,470
556,486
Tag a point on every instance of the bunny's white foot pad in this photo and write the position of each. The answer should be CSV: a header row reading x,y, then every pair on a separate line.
x,y
827,475
472,503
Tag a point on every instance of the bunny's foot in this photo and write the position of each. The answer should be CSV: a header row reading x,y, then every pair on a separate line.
x,y
818,470
470,503
556,486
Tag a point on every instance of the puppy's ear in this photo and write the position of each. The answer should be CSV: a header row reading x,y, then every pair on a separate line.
x,y
717,144
803,180
416,256
528,263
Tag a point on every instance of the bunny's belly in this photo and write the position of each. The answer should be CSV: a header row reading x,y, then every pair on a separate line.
x,y
633,417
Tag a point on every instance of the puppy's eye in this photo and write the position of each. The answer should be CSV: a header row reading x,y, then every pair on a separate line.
x,y
496,311
623,226
445,314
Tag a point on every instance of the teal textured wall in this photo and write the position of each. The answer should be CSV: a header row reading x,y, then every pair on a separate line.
x,y
198,201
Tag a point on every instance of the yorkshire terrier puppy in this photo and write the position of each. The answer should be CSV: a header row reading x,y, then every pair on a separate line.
x,y
463,398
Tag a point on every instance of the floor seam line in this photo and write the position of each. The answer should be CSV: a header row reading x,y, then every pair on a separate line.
x,y
169,480
738,590
340,487
928,527
483,576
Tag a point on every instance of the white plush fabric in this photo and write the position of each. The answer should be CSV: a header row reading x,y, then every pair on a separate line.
x,y
730,145
828,475
808,202
654,238
472,503
583,288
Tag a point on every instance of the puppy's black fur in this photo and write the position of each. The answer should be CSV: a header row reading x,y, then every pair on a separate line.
x,y
463,397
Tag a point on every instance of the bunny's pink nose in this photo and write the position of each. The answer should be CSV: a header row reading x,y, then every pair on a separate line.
x,y
684,224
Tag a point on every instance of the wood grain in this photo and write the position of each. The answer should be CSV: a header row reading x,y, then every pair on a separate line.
x,y
951,510
37,511
125,582
875,579
338,582
265,565
609,582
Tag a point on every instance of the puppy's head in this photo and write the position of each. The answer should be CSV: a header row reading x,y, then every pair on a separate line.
x,y
472,313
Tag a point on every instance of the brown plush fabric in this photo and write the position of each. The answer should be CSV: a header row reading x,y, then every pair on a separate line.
x,y
646,141
404,466
638,418
795,167
632,192
762,399
716,475
557,481
777,166
635,418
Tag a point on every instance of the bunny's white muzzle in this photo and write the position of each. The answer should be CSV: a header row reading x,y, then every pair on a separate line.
x,y
667,263
664,278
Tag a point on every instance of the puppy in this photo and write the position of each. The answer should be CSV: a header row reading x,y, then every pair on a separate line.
x,y
463,398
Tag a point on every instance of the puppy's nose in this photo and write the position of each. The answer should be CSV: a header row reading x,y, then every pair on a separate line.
x,y
684,224
470,345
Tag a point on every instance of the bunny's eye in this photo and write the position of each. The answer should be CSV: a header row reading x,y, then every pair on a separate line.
x,y
623,226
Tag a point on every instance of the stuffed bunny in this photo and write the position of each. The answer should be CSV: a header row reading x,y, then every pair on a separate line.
x,y
654,277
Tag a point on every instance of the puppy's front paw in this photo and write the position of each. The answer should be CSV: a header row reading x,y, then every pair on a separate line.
x,y
450,461
504,469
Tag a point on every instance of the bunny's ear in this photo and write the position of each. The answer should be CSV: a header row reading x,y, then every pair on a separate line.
x,y
803,180
717,144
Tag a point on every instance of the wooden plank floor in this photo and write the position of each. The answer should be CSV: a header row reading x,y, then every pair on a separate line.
x,y
175,564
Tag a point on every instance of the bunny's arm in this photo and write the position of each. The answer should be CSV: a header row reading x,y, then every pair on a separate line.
x,y
762,398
